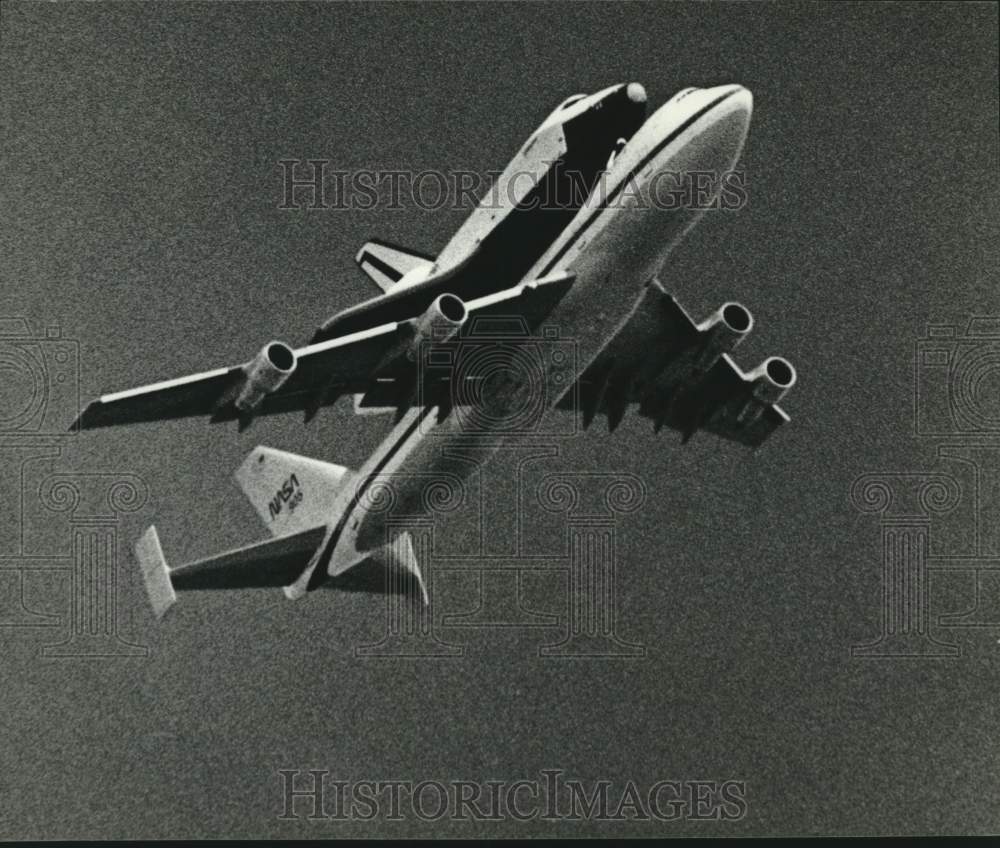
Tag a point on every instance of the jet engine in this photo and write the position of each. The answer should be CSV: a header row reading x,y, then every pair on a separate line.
x,y
264,374
725,328
442,320
769,382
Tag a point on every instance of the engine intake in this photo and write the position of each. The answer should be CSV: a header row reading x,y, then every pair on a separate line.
x,y
725,328
770,382
442,320
265,373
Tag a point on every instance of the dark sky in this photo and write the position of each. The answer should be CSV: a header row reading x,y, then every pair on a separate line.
x,y
139,151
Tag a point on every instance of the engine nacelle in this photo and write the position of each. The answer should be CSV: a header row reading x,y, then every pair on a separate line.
x,y
264,374
725,328
770,381
442,320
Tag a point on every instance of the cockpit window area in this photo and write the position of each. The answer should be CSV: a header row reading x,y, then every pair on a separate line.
x,y
680,95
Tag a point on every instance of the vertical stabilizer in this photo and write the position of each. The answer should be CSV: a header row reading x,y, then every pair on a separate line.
x,y
387,264
290,492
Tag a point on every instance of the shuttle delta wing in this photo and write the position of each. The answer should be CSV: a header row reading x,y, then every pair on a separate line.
x,y
279,379
679,374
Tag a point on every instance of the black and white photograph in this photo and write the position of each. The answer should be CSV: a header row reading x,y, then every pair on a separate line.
x,y
499,420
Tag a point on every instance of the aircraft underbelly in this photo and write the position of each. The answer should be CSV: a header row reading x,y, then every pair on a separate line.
x,y
610,277
612,249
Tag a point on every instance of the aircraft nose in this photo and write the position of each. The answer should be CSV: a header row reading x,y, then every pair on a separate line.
x,y
737,98
729,110
742,104
745,98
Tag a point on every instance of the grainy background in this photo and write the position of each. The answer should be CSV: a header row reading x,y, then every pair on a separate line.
x,y
138,209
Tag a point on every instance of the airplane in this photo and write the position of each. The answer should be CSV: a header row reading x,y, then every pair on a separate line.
x,y
518,286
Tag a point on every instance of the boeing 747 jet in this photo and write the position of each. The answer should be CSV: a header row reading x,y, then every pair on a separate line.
x,y
520,273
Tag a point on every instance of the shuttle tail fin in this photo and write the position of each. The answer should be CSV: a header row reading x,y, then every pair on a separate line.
x,y
387,263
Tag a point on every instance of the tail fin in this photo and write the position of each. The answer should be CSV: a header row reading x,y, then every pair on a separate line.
x,y
387,264
290,492
155,573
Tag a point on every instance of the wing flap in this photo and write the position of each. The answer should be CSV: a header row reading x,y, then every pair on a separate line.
x,y
196,394
512,313
722,403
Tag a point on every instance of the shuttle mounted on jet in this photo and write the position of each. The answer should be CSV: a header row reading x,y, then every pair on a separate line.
x,y
584,270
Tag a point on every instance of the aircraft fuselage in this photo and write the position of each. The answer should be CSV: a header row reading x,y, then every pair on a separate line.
x,y
613,245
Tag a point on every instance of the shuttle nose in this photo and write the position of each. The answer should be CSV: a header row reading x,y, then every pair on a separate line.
x,y
620,110
635,92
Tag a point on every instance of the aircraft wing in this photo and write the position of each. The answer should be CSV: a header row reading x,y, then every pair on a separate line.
x,y
679,374
279,379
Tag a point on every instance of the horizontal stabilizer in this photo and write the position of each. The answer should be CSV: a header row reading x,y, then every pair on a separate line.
x,y
273,562
155,573
387,264
290,492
